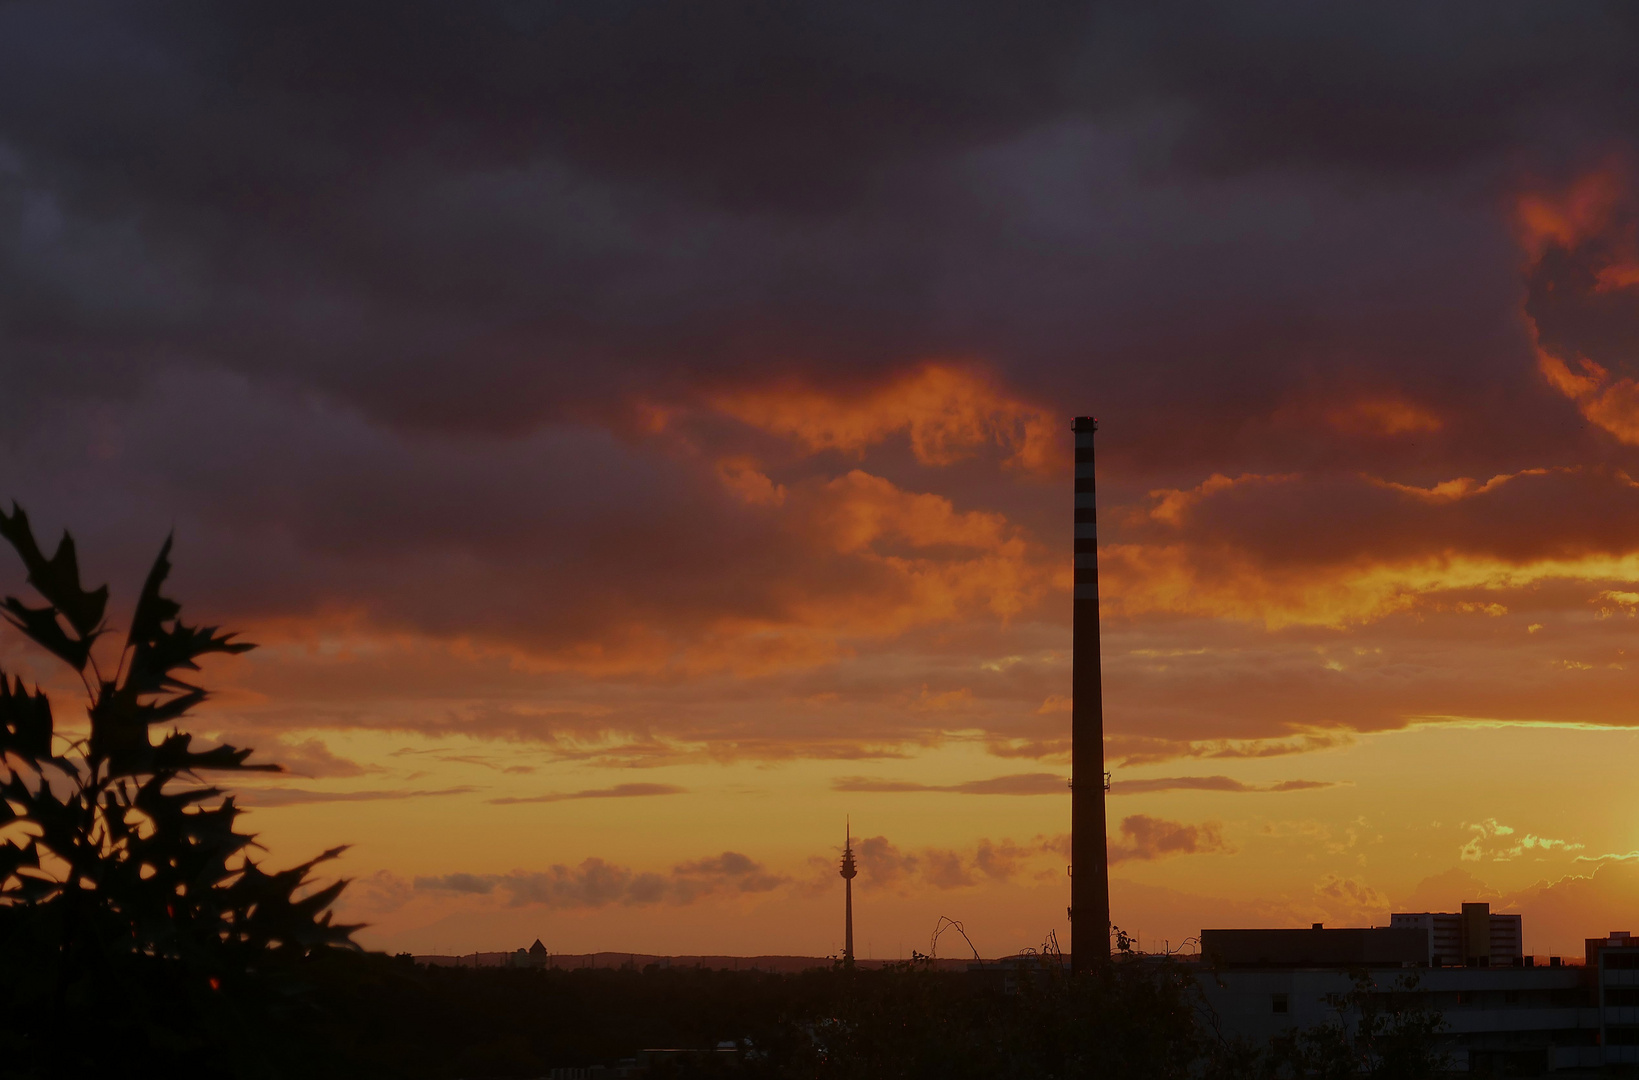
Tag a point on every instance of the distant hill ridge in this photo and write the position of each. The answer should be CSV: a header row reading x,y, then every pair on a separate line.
x,y
639,961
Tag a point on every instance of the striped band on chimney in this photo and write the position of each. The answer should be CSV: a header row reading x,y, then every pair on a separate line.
x,y
1086,581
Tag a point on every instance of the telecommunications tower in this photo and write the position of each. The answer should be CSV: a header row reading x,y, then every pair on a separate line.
x,y
848,873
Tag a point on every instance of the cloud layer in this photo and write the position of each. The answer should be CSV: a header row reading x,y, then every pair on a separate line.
x,y
596,883
1144,838
583,367
1017,784
619,791
686,385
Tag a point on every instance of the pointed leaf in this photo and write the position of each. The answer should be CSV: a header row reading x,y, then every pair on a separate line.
x,y
156,656
57,578
41,624
154,610
174,753
171,708
25,721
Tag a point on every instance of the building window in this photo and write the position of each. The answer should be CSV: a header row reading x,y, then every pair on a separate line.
x,y
1280,1004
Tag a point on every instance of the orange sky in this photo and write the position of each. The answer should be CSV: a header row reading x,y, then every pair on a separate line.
x,y
632,468
1331,693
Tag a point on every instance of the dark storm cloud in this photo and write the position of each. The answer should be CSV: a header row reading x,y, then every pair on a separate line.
x,y
384,200
381,307
484,216
738,97
1381,88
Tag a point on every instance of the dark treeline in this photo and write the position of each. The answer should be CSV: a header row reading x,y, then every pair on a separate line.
x,y
347,1014
340,1013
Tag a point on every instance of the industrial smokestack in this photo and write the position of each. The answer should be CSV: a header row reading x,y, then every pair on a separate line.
x,y
1089,850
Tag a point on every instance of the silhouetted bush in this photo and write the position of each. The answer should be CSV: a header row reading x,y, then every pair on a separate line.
x,y
135,929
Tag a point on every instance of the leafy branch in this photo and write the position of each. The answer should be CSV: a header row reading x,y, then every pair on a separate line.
x,y
116,844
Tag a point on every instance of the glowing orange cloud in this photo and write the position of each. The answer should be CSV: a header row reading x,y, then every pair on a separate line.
x,y
1203,559
1608,403
1185,579
1463,487
857,511
1383,416
879,559
1585,217
937,562
1171,504
742,477
1619,275
948,414
1569,218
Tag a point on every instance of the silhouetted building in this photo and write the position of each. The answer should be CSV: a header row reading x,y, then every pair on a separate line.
x,y
1616,939
1614,962
533,957
1345,947
1503,1012
1473,937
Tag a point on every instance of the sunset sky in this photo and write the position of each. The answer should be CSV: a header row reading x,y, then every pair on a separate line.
x,y
637,436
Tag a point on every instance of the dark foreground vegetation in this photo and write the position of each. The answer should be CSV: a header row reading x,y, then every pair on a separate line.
x,y
349,1014
140,936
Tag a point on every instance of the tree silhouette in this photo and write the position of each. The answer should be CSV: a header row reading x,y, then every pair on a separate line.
x,y
122,869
